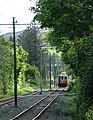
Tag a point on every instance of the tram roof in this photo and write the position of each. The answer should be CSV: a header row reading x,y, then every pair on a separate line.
x,y
63,73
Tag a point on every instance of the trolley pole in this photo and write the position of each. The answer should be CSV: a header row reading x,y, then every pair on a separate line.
x,y
15,78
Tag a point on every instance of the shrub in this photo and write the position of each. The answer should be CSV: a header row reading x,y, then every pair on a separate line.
x,y
89,114
32,75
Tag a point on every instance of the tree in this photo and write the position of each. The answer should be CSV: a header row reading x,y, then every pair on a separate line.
x,y
71,23
11,38
30,42
7,66
21,66
60,15
32,75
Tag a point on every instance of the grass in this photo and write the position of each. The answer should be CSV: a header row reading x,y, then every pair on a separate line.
x,y
25,89
70,94
19,92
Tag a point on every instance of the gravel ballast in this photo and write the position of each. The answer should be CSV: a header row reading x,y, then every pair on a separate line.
x,y
57,111
9,111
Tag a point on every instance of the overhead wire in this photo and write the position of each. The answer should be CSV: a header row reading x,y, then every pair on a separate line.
x,y
1,27
15,9
4,16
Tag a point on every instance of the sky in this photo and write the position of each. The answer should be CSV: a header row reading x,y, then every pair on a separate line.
x,y
18,9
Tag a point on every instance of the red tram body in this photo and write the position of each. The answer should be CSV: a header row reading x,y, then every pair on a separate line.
x,y
62,81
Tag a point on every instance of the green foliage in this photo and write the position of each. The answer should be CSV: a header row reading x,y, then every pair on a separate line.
x,y
6,66
44,84
61,15
32,75
89,113
25,90
71,22
21,65
30,42
7,69
72,111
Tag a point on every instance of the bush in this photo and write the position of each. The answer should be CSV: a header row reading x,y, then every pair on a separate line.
x,y
32,75
89,114
73,108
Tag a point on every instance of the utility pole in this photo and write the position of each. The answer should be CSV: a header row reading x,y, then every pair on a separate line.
x,y
50,70
54,74
15,78
40,70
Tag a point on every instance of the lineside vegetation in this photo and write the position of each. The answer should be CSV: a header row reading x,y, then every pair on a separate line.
x,y
71,31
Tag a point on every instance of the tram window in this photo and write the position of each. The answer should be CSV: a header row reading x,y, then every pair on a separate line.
x,y
62,77
65,77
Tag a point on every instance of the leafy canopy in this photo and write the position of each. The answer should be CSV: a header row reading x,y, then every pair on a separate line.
x,y
68,18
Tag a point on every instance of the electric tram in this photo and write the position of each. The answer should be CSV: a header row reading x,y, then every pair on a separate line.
x,y
62,80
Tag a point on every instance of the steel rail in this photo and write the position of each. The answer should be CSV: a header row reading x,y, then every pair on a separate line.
x,y
45,108
23,95
9,100
6,99
32,106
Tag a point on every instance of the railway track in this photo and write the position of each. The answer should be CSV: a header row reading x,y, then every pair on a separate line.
x,y
10,100
36,110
